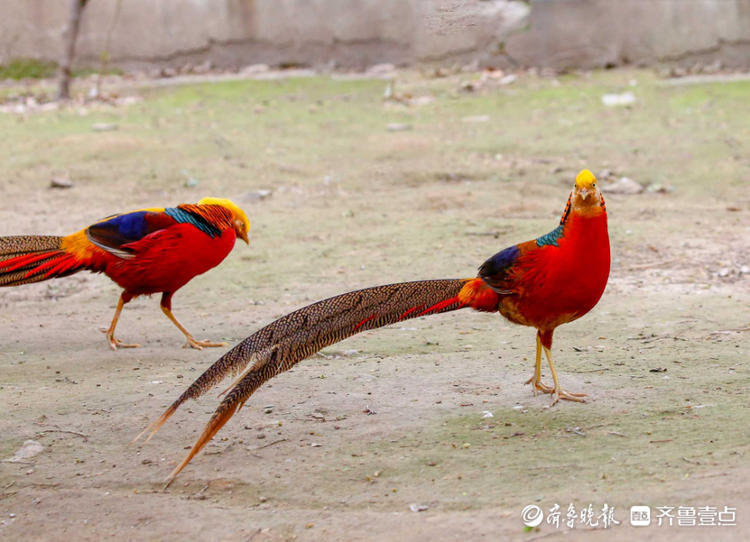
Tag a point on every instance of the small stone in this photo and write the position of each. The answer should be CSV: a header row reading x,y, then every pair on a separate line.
x,y
398,127
623,185
615,100
418,507
104,127
468,86
659,188
257,195
29,449
60,182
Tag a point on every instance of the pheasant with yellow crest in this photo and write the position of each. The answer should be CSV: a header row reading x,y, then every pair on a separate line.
x,y
543,283
147,251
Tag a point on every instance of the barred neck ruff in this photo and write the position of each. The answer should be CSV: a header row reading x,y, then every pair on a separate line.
x,y
210,219
589,207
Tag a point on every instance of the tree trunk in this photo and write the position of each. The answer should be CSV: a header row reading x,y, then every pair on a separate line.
x,y
69,47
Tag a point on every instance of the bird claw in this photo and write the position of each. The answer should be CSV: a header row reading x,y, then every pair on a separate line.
x,y
568,396
114,343
117,343
538,385
200,345
557,395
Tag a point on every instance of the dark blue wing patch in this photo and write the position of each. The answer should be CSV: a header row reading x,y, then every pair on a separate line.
x,y
551,238
111,234
499,262
185,217
494,272
130,226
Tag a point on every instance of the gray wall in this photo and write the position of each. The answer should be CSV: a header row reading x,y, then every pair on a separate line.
x,y
359,33
597,33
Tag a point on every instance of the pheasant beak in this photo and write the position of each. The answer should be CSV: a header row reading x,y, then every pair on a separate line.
x,y
241,228
584,192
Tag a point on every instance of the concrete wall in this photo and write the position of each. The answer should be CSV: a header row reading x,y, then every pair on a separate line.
x,y
358,33
598,33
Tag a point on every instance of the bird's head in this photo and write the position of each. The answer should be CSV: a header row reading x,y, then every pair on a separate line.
x,y
586,195
240,222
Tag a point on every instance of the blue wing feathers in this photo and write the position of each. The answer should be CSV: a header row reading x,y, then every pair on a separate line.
x,y
495,270
113,233
131,226
499,262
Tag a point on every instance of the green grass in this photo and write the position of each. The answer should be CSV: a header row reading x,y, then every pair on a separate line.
x,y
27,68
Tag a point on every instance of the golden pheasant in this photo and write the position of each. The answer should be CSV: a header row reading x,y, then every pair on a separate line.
x,y
145,252
543,283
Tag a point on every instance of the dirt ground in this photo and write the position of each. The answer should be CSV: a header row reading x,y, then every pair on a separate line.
x,y
362,192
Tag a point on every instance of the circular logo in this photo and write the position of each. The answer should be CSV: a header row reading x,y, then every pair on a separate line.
x,y
531,515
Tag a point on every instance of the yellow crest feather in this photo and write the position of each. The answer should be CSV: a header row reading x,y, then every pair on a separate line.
x,y
585,179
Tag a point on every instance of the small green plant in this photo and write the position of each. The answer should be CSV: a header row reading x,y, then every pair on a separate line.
x,y
27,68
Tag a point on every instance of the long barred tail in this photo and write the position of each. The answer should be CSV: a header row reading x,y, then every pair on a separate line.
x,y
296,336
32,258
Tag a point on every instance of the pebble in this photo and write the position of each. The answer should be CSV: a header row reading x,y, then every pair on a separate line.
x,y
614,100
623,185
104,127
60,182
